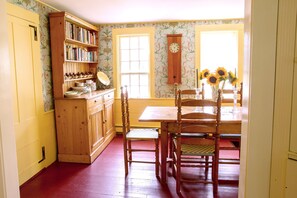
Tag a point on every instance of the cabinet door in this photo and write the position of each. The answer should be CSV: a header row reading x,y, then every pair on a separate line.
x,y
96,126
109,117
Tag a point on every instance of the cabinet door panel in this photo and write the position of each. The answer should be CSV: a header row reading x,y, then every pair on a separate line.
x,y
96,126
109,117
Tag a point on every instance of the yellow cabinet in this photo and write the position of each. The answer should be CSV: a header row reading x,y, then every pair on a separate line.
x,y
85,125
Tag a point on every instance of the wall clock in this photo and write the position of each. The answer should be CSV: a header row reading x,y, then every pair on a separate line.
x,y
174,58
174,47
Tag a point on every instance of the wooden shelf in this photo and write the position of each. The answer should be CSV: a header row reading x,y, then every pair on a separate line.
x,y
75,61
78,79
72,41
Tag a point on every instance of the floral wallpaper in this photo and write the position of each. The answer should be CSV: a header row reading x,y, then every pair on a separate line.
x,y
162,89
187,29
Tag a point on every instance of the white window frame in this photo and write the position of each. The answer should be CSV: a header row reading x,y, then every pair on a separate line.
x,y
116,33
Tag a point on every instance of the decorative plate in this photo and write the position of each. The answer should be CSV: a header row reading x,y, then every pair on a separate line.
x,y
103,78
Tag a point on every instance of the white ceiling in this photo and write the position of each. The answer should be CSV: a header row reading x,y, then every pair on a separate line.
x,y
126,11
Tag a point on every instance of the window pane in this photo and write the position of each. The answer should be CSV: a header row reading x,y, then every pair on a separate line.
x,y
143,91
124,55
144,42
134,66
134,43
144,66
134,91
134,79
144,79
223,45
124,43
125,80
125,67
134,55
143,54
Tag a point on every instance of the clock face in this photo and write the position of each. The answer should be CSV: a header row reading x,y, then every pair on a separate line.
x,y
174,47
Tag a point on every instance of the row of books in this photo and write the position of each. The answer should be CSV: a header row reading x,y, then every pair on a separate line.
x,y
80,54
80,34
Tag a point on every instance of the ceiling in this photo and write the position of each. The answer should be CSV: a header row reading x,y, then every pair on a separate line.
x,y
131,11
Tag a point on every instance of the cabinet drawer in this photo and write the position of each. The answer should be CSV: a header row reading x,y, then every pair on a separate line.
x,y
109,96
95,109
95,101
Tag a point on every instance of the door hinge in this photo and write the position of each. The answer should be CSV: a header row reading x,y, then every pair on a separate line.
x,y
43,154
35,31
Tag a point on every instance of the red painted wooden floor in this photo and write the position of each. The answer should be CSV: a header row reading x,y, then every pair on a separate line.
x,y
105,178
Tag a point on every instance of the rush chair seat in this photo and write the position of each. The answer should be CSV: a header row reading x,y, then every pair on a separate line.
x,y
233,138
132,135
194,152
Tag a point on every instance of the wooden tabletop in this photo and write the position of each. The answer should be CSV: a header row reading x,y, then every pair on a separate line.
x,y
169,113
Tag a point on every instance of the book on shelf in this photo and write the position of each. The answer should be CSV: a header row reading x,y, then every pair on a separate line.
x,y
76,53
80,34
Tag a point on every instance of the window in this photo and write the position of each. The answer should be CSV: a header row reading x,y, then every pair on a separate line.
x,y
220,45
133,58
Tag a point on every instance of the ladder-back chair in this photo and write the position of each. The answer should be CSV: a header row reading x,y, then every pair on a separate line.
x,y
186,150
131,135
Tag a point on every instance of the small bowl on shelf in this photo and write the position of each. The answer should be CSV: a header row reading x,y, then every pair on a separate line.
x,y
79,84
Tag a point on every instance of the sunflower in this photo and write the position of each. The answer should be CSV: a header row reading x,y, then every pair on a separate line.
x,y
231,75
213,79
222,72
204,74
234,82
232,78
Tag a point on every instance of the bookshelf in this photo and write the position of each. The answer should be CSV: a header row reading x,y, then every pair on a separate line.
x,y
74,50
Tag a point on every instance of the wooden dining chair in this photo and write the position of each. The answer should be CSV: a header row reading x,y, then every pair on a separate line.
x,y
193,152
233,138
228,96
132,135
185,94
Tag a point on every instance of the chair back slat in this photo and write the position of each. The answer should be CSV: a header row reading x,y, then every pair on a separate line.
x,y
188,93
198,102
198,116
202,128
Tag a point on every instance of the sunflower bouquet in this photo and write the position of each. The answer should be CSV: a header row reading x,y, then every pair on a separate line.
x,y
218,78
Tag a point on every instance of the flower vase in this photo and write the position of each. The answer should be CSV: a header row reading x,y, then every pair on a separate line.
x,y
214,93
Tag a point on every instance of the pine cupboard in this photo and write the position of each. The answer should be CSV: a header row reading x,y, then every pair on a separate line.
x,y
85,123
85,126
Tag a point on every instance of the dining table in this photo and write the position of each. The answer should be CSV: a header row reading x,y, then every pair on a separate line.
x,y
167,116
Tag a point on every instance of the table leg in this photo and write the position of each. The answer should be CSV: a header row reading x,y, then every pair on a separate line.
x,y
164,151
